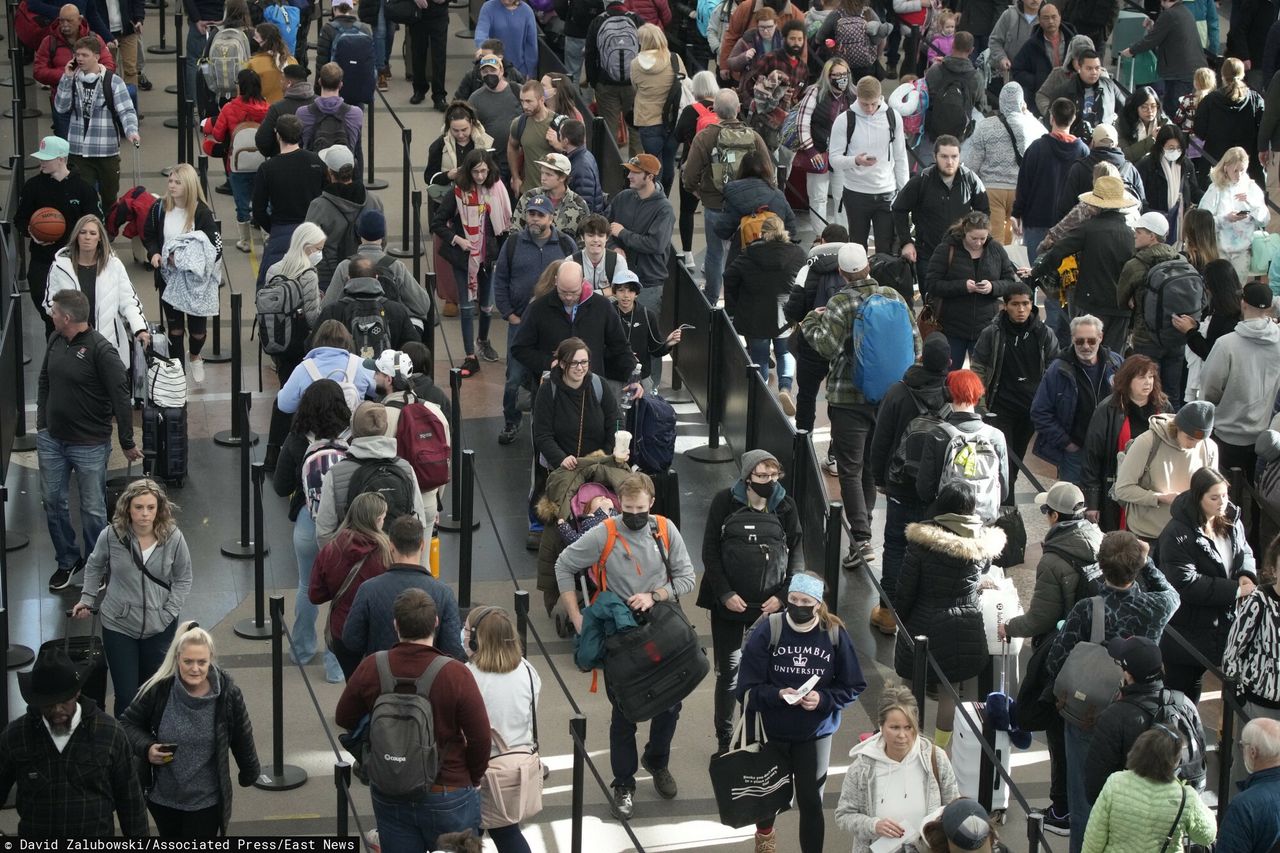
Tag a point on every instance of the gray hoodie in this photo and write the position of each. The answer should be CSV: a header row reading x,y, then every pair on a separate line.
x,y
637,567
407,292
336,211
134,604
647,225
337,480
1241,377
990,150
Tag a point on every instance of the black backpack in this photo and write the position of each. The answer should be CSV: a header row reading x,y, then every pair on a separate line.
x,y
904,467
949,111
386,278
1172,287
1177,717
1090,582
753,553
367,322
328,129
388,479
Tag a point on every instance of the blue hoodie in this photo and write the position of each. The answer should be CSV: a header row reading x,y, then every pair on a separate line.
x,y
329,361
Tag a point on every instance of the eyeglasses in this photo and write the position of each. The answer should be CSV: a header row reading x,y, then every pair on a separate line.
x,y
764,478
1086,342
585,362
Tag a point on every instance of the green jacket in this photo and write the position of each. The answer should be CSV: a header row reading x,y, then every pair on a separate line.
x,y
1132,284
830,332
1134,814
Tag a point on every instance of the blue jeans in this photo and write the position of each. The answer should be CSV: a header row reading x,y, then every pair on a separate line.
x,y
758,349
1077,742
1071,468
132,661
622,744
898,514
411,826
384,35
195,49
960,348
242,192
517,375
89,462
467,308
713,265
574,48
660,141
303,631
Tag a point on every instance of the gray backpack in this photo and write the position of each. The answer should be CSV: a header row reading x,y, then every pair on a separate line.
x,y
402,757
973,458
1090,678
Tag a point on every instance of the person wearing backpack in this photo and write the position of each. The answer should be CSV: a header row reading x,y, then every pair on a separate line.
x,y
655,73
613,42
330,357
341,203
57,49
1137,601
348,41
602,267
329,120
449,749
815,283
995,153
748,198
297,94
375,322
220,137
964,447
869,152
954,93
396,279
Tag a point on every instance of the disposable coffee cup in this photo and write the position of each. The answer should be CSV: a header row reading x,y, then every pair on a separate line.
x,y
621,443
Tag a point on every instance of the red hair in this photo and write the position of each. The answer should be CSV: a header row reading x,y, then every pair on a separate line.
x,y
965,387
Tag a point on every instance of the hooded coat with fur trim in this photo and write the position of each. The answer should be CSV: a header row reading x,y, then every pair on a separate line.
x,y
938,596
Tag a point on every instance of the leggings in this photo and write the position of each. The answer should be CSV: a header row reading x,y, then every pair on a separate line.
x,y
177,322
809,760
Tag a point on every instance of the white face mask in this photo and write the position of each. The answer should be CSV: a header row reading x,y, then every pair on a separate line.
x,y
1172,156
315,258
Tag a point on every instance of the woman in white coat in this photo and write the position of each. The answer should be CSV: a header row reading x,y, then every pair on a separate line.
x,y
88,264
1238,206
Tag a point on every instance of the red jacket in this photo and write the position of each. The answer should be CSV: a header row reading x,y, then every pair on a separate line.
x,y
461,721
331,567
55,52
655,12
233,112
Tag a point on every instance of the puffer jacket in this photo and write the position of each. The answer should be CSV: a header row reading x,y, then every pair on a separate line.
x,y
938,596
932,207
1134,814
332,565
1251,652
1053,412
897,410
232,732
1101,445
856,810
606,616
1120,724
743,197
651,75
990,151
1067,546
1155,464
965,314
337,482
117,308
360,292
1206,584
757,282
1132,284
989,354
55,52
1222,123
134,604
655,12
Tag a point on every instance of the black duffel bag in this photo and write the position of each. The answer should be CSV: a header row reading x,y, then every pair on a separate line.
x,y
651,667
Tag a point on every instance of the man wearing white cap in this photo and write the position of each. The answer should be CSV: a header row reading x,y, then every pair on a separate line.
x,y
1165,344
1103,148
569,207
338,208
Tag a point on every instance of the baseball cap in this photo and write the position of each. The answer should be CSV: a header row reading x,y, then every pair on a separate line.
x,y
1155,223
646,163
540,203
338,4
627,279
390,363
491,61
966,824
1104,134
336,157
853,258
1258,295
556,163
51,148
1138,656
1064,498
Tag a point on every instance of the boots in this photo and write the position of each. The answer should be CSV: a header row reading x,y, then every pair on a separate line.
x,y
882,620
245,231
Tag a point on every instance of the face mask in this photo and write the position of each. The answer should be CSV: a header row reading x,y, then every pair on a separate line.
x,y
490,80
801,614
1172,156
794,49
636,520
315,258
839,85
764,490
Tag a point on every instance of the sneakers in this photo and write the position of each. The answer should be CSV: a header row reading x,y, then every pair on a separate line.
x,y
788,403
623,805
508,433
61,579
829,466
144,84
485,350
767,843
1055,822
663,782
470,366
196,369
858,557
882,620
868,552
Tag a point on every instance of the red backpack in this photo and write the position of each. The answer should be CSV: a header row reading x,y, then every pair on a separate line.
x,y
422,440
706,117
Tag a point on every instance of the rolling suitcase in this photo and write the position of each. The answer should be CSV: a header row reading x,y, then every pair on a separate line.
x,y
967,756
87,655
164,443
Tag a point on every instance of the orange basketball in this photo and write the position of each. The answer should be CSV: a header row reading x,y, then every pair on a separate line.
x,y
47,225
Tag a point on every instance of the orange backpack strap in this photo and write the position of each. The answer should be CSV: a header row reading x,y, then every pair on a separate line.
x,y
611,536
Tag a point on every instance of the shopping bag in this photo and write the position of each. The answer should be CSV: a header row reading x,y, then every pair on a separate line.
x,y
998,606
752,781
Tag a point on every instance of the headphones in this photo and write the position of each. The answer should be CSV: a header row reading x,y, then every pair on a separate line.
x,y
484,614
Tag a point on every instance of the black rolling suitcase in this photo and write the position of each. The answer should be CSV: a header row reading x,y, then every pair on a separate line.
x,y
87,655
164,443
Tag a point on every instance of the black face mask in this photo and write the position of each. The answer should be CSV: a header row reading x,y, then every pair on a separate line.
x,y
795,49
801,614
490,80
764,490
636,520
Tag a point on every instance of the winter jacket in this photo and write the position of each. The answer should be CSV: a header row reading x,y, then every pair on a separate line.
x,y
570,210
1010,33
153,228
368,629
336,484
1241,377
88,365
295,98
332,565
1080,180
1040,191
1156,186
816,115
584,179
357,297
655,12
336,212
938,596
994,150
233,113
518,266
547,322
743,197
697,174
933,453
718,579
755,286
1054,410
743,18
518,30
1134,814
1068,546
989,354
815,283
1033,62
1223,124
1250,655
330,105
1156,464
1102,244
645,238
900,406
93,11
1108,101
856,809
404,289
51,58
1131,288
328,361
933,207
607,615
1101,445
1176,42
651,77
940,76
880,135
286,480
1120,724
1252,820
965,314
739,63
117,308
573,421
232,732
446,223
191,273
1235,237
134,604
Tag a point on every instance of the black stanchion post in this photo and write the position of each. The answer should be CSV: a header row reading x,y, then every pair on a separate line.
x,y
415,206
20,110
432,320
4,682
22,440
406,224
257,628
180,62
239,430
522,618
1226,747
162,48
1035,828
753,405
242,548
15,656
371,182
341,779
677,394
578,727
714,450
466,485
920,670
278,776
831,556
453,521
190,118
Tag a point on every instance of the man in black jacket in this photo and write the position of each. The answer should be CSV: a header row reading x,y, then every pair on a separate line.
x,y
283,191
1103,149
933,200
1141,696
1098,98
473,81
1043,51
297,94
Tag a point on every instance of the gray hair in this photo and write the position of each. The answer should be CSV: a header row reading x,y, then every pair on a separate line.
x,y
73,304
1263,734
1086,320
727,105
705,85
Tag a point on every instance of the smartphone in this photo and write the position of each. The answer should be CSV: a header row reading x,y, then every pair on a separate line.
x,y
167,749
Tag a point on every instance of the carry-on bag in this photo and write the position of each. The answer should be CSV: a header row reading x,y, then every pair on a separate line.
x,y
752,781
967,756
87,655
653,666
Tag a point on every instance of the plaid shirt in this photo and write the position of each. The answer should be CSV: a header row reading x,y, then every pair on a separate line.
x,y
101,138
72,793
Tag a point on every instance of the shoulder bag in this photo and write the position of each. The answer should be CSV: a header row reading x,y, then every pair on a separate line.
x,y
511,789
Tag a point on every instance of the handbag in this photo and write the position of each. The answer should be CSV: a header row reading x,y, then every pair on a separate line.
x,y
998,606
929,320
342,590
1015,538
402,11
752,781
511,789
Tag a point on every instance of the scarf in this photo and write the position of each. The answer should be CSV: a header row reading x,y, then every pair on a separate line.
x,y
473,206
966,526
1173,181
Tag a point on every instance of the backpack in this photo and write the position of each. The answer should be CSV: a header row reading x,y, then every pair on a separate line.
x,y
368,325
852,120
1089,584
597,576
949,111
853,44
108,100
751,226
883,345
652,424
382,272
422,440
319,458
679,96
328,129
244,155
753,553
706,117
402,757
894,271
280,316
346,379
732,144
386,478
904,467
610,264
224,55
286,19
352,50
1172,287
617,42
1177,718
1090,678
972,458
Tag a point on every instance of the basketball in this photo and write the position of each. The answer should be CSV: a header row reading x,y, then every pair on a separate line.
x,y
47,225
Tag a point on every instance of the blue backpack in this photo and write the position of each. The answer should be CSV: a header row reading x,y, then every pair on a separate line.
x,y
652,424
352,49
883,348
286,18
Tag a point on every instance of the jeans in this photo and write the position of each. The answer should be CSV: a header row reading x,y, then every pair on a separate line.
x,y
1172,366
961,348
809,761
811,369
384,34
867,213
1077,742
758,349
1017,430
713,264
89,462
509,839
132,661
622,743
726,643
467,308
899,512
660,141
242,192
411,826
651,297
851,429
574,48
517,375
1071,468
303,632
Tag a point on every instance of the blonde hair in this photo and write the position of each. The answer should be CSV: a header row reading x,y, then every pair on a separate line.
x,y
494,634
163,526
295,261
869,88
102,254
653,38
898,697
1203,82
547,281
186,174
1233,85
772,228
1233,156
189,633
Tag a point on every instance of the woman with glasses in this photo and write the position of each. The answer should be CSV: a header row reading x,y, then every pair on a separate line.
x,y
575,413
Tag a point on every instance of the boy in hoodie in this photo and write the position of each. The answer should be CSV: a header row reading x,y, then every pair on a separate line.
x,y
918,392
995,152
868,150
1044,168
1242,377
1131,291
958,92
297,94
640,326
338,208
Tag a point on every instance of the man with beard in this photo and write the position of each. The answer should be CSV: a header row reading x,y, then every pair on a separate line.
x,y
72,763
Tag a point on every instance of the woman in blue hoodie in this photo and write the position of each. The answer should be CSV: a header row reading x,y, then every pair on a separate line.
x,y
785,651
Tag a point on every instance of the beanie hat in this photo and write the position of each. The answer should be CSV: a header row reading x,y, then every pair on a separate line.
x,y
371,225
752,458
1195,419
370,419
935,355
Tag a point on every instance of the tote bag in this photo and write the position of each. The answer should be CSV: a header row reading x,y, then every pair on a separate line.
x,y
511,790
752,781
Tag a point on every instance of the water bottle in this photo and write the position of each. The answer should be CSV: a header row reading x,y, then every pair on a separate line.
x,y
629,389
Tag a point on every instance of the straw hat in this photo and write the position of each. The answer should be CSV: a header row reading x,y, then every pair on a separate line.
x,y
1109,194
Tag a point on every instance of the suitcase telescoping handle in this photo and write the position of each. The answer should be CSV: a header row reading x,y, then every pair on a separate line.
x,y
137,164
66,634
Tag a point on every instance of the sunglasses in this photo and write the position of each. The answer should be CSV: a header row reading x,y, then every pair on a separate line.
x,y
1086,342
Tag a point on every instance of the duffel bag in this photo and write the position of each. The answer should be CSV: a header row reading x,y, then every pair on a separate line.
x,y
651,667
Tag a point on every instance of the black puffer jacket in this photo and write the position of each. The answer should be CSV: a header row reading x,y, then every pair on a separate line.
x,y
938,596
755,283
965,314
1223,124
1101,444
744,197
232,732
1206,585
1120,725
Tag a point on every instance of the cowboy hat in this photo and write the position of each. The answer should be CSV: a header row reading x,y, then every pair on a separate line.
x,y
1109,193
53,680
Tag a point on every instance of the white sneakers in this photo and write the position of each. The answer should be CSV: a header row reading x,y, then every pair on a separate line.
x,y
196,369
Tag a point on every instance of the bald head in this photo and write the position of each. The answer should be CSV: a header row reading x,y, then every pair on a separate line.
x,y
569,283
69,21
1260,741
